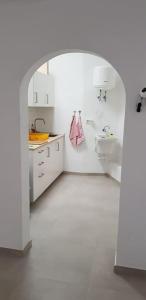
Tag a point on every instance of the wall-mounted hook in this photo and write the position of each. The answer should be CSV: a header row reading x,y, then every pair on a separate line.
x,y
141,97
139,105
106,128
100,95
105,96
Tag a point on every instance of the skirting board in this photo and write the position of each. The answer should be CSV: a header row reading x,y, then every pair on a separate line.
x,y
129,271
15,251
108,175
84,174
90,174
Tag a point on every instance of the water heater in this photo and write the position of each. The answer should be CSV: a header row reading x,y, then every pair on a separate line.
x,y
104,78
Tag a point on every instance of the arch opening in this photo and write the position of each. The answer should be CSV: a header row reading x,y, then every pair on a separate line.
x,y
113,168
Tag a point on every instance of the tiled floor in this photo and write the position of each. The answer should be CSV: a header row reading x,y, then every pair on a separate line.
x,y
73,227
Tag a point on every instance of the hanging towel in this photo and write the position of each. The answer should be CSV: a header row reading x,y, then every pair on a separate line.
x,y
73,131
80,135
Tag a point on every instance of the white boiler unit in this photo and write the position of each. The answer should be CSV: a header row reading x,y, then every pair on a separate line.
x,y
104,78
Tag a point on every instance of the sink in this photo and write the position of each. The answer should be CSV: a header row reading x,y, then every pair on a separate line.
x,y
38,136
104,137
104,145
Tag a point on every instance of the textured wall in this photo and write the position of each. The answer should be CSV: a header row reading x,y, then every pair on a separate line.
x,y
30,30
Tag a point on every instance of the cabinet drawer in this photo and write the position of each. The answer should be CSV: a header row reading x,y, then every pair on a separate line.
x,y
41,155
40,165
38,184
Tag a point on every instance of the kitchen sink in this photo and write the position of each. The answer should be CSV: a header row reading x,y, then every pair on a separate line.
x,y
38,136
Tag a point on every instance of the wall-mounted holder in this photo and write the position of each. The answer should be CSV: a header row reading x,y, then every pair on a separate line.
x,y
142,96
102,95
90,122
79,111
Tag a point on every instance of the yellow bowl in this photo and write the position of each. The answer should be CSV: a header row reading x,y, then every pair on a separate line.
x,y
38,136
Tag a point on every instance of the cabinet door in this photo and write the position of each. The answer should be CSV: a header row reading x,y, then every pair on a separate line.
x,y
58,156
38,89
30,93
46,91
51,91
41,90
49,164
48,98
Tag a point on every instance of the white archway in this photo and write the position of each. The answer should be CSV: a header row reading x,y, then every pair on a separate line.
x,y
24,133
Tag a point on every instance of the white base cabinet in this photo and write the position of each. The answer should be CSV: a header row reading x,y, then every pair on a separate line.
x,y
46,164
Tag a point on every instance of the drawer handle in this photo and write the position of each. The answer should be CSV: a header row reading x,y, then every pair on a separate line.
x,y
40,151
48,151
41,175
41,163
47,98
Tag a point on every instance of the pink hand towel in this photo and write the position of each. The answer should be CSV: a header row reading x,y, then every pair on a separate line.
x,y
73,131
80,135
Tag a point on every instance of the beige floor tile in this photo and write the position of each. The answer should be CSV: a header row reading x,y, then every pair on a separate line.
x,y
73,228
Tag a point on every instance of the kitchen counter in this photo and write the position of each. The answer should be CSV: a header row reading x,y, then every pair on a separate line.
x,y
33,145
45,164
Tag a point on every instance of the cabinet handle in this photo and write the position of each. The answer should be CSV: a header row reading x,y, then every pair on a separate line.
x,y
41,175
35,97
48,151
47,98
58,146
41,163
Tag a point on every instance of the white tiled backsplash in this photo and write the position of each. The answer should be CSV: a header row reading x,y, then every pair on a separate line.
x,y
45,113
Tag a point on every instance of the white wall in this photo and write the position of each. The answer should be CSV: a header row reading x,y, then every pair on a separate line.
x,y
74,90
115,112
33,32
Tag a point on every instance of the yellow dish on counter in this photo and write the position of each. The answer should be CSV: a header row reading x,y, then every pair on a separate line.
x,y
38,136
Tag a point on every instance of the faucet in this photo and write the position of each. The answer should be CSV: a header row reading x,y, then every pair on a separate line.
x,y
106,129
35,121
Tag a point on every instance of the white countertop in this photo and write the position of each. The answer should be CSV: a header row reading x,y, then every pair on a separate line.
x,y
34,145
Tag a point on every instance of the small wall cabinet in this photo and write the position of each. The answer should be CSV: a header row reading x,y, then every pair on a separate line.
x,y
45,165
39,91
